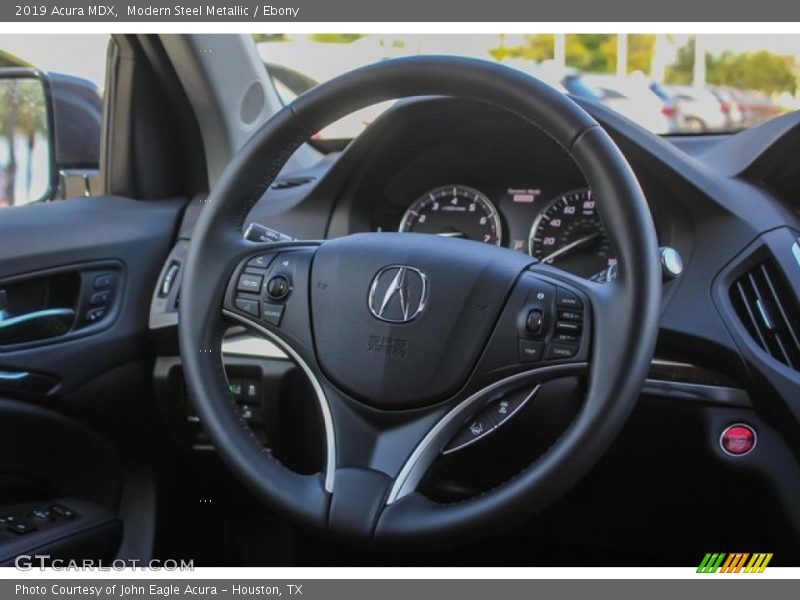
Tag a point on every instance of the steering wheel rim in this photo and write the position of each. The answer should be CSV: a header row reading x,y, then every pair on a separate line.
x,y
368,503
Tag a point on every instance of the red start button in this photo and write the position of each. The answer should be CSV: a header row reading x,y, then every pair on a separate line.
x,y
738,439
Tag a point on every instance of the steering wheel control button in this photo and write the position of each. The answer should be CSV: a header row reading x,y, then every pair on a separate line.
x,y
738,440
504,409
561,351
477,429
565,299
570,327
272,313
530,351
570,315
535,322
249,283
278,287
249,306
261,262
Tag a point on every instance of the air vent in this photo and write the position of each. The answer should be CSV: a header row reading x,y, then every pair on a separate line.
x,y
769,310
290,182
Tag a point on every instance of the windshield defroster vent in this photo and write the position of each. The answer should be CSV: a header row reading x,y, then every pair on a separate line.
x,y
770,312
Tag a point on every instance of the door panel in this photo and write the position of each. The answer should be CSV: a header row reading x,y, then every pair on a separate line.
x,y
84,239
76,401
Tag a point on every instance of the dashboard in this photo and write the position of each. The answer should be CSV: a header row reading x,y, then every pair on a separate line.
x,y
497,180
456,168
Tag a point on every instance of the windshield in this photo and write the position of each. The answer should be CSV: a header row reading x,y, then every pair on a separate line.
x,y
669,84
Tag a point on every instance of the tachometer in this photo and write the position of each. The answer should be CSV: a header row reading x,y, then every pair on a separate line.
x,y
454,211
568,234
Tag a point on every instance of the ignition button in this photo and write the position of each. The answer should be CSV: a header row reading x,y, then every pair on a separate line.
x,y
738,439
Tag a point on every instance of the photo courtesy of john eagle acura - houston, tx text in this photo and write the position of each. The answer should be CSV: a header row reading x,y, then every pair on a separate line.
x,y
399,300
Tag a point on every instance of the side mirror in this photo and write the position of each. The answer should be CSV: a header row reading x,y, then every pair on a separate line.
x,y
27,144
50,127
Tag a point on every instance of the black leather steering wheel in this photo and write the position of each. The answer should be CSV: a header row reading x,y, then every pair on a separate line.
x,y
406,338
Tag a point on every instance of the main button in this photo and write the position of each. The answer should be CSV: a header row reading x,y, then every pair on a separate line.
x,y
566,299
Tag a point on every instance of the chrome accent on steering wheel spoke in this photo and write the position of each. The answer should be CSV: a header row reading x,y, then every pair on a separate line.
x,y
431,445
330,437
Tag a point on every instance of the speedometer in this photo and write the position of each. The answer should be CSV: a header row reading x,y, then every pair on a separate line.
x,y
454,211
568,234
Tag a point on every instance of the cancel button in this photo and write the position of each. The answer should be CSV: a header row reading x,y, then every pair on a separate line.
x,y
561,351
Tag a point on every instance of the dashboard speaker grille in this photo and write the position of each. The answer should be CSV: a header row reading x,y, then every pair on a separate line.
x,y
770,312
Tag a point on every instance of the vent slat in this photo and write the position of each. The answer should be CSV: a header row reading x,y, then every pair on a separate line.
x,y
754,329
787,321
770,312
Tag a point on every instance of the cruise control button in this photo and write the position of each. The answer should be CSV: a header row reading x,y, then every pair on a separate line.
x,y
566,338
566,299
559,351
249,283
570,315
530,351
248,306
570,327
272,313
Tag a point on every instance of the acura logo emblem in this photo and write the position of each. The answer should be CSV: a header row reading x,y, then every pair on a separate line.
x,y
398,294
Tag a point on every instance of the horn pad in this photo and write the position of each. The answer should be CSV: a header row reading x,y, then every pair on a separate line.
x,y
400,319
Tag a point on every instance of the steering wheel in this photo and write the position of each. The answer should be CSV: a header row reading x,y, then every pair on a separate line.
x,y
406,338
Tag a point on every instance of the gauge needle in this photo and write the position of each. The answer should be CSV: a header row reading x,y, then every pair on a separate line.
x,y
450,234
571,246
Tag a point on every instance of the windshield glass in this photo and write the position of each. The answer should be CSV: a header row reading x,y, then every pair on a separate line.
x,y
669,84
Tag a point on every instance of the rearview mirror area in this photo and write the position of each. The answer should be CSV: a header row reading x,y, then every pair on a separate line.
x,y
26,138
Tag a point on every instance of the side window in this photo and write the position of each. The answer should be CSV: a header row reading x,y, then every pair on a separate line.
x,y
51,114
